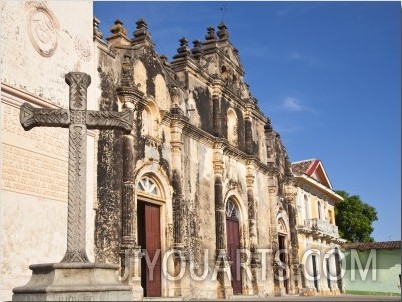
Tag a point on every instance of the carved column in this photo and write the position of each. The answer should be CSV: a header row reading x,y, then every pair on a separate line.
x,y
248,131
224,285
177,124
252,226
216,108
130,253
176,144
294,257
273,199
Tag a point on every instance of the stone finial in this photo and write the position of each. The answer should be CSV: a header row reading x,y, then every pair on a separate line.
x,y
141,34
96,32
288,166
223,33
118,28
268,126
197,50
142,29
210,34
183,50
118,36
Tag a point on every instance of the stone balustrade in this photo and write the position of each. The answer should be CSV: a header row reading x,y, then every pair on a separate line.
x,y
320,227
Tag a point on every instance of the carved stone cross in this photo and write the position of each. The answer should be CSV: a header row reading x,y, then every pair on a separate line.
x,y
77,119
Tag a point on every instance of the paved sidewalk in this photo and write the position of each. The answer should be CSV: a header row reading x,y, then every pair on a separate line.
x,y
345,298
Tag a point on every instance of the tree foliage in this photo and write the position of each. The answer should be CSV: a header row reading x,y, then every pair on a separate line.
x,y
354,218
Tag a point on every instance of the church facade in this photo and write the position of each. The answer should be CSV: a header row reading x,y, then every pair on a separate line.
x,y
198,201
202,184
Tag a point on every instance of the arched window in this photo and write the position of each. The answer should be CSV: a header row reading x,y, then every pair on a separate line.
x,y
232,127
150,120
148,186
282,227
306,207
231,210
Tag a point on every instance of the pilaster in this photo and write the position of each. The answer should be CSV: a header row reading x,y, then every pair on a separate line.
x,y
273,196
224,289
290,193
248,130
177,124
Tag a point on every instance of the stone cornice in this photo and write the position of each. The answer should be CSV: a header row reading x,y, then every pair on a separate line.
x,y
217,142
102,46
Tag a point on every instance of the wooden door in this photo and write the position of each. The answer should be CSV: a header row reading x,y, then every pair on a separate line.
x,y
283,258
233,244
149,237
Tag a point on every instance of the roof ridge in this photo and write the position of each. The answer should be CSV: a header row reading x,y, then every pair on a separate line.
x,y
302,161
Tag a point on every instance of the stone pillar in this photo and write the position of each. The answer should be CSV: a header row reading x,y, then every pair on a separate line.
x,y
293,255
248,131
252,225
130,253
181,286
216,108
273,200
224,290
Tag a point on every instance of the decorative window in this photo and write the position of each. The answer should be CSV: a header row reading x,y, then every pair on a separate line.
x,y
282,227
148,186
232,127
231,210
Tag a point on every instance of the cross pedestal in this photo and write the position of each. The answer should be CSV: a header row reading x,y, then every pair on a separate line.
x,y
75,278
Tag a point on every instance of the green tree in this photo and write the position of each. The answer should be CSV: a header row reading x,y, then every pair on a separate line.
x,y
354,218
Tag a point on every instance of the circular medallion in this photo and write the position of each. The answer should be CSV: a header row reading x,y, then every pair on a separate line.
x,y
42,30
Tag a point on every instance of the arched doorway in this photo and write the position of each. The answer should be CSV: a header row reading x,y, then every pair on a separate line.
x,y
149,234
283,254
233,245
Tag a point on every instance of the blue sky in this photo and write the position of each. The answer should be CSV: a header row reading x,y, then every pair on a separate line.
x,y
326,73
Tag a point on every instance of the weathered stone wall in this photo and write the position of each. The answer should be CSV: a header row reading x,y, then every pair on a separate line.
x,y
41,42
181,139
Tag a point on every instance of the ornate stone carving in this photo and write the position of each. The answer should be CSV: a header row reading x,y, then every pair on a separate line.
x,y
77,124
32,117
127,69
110,119
175,95
43,28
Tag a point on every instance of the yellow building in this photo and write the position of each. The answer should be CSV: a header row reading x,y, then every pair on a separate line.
x,y
318,236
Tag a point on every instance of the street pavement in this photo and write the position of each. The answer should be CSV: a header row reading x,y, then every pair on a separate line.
x,y
343,297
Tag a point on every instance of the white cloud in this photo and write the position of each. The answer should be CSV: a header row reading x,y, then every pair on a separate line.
x,y
297,56
292,104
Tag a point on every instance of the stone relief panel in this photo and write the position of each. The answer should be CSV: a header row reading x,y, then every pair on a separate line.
x,y
43,28
34,162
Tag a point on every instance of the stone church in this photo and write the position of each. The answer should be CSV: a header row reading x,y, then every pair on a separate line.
x,y
197,201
